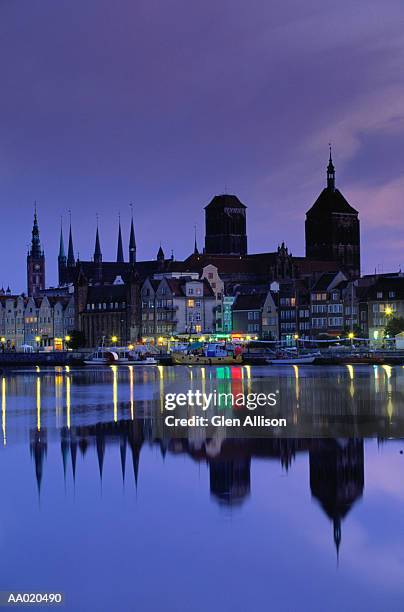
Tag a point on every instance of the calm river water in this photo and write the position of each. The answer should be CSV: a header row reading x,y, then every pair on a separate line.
x,y
100,501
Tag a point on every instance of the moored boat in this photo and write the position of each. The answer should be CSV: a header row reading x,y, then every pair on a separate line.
x,y
209,354
292,360
102,357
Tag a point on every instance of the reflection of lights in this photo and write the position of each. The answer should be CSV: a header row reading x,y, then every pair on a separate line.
x,y
376,375
248,371
114,369
161,372
351,376
203,372
296,371
58,394
131,391
388,369
38,403
67,369
68,401
3,408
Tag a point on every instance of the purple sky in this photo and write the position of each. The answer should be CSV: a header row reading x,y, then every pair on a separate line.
x,y
168,103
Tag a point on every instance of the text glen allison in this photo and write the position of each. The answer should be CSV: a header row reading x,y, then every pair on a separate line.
x,y
223,421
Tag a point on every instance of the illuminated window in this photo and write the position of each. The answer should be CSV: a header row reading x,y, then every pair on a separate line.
x,y
191,303
198,328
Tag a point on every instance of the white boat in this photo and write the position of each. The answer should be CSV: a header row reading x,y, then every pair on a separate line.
x,y
293,360
102,357
146,361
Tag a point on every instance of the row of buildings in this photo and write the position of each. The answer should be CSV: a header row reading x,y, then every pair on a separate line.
x,y
222,289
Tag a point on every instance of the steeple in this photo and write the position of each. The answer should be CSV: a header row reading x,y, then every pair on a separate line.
x,y
35,251
330,174
97,250
132,242
62,254
160,254
35,261
119,252
196,252
70,252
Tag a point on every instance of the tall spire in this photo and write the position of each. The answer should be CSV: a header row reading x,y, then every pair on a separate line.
x,y
70,252
132,241
35,241
330,173
160,254
97,250
196,252
62,254
119,251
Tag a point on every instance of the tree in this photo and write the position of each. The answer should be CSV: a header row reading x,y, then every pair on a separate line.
x,y
77,339
394,326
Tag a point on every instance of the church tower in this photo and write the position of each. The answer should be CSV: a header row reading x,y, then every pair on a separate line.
x,y
35,262
225,221
332,227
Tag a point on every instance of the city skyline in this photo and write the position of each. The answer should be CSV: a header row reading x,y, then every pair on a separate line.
x,y
168,106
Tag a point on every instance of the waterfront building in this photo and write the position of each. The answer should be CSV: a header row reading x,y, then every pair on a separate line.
x,y
327,305
108,312
210,272
255,315
36,321
227,313
380,301
176,304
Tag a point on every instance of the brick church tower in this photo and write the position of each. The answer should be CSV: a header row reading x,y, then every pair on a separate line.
x,y
35,262
332,228
225,221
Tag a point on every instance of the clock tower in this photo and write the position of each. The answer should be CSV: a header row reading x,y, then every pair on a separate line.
x,y
35,262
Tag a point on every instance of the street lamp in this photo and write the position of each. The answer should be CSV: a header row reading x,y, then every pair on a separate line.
x,y
388,311
351,336
114,339
67,338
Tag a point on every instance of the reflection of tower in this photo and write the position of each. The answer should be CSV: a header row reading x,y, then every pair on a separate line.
x,y
230,479
337,478
38,447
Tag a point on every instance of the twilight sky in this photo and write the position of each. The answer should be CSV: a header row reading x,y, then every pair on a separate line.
x,y
166,103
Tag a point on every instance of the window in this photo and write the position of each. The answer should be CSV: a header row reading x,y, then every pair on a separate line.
x,y
198,328
250,315
392,294
190,291
191,303
198,304
379,295
210,275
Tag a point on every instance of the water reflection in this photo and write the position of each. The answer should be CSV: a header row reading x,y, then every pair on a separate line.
x,y
87,419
